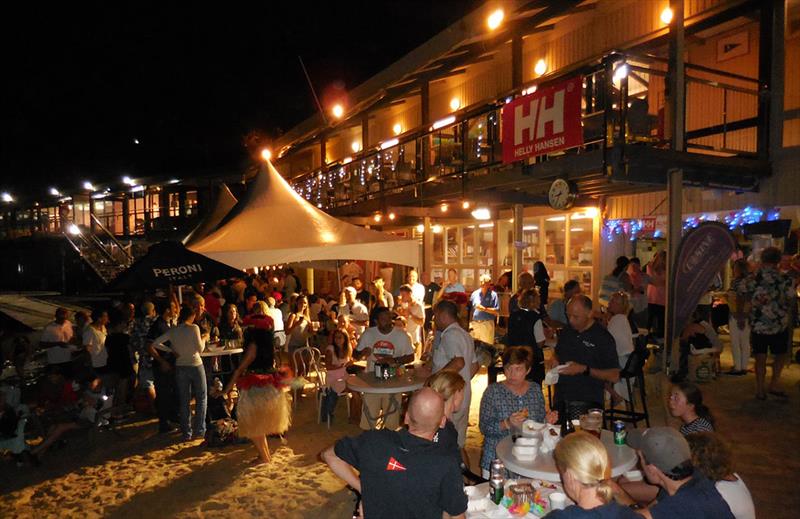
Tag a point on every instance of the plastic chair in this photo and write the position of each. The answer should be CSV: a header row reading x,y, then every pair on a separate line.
x,y
307,360
633,370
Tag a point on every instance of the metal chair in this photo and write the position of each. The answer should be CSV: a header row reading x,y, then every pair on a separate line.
x,y
633,370
307,360
346,394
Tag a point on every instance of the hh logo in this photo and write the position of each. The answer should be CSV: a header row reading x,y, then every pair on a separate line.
x,y
394,465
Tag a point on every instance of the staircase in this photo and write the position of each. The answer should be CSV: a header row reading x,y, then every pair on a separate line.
x,y
100,249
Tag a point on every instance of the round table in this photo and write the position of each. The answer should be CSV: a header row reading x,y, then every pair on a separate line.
x,y
367,383
623,459
214,367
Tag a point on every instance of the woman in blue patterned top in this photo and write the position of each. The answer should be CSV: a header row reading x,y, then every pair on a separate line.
x,y
508,403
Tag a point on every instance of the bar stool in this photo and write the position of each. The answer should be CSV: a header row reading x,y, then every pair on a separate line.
x,y
633,370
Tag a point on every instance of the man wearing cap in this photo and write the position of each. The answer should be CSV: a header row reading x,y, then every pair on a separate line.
x,y
353,308
666,461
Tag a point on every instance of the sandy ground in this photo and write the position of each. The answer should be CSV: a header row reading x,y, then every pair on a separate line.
x,y
140,473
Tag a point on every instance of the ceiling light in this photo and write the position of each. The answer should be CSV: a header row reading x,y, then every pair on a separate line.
x,y
398,129
495,19
443,208
465,204
54,192
486,226
621,72
266,154
666,16
338,111
556,218
481,213
355,146
530,228
392,216
88,186
378,217
7,197
576,229
455,104
420,228
436,229
540,68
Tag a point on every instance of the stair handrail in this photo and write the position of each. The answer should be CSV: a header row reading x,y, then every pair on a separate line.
x,y
114,240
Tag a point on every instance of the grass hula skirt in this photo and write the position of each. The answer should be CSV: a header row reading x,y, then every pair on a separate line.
x,y
263,407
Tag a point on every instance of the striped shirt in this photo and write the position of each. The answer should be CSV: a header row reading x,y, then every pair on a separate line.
x,y
697,425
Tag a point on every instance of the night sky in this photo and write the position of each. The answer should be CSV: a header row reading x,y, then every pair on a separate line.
x,y
82,81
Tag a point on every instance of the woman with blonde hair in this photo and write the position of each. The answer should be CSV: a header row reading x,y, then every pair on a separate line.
x,y
584,466
450,385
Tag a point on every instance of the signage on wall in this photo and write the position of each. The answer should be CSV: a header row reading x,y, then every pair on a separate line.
x,y
737,44
648,225
543,122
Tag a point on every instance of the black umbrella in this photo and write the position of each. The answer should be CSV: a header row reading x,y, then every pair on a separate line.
x,y
170,263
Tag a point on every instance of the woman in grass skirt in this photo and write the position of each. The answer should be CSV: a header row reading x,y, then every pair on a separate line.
x,y
263,408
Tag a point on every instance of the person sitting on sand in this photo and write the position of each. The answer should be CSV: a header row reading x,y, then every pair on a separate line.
x,y
431,483
713,457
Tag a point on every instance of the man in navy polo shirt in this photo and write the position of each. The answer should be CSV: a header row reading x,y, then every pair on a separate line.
x,y
403,473
666,459
589,354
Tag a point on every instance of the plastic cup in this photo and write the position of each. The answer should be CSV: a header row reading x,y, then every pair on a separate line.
x,y
558,501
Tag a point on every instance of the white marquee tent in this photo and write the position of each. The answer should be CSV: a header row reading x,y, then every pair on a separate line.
x,y
225,202
273,225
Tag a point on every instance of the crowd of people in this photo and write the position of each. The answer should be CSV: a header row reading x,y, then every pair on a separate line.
x,y
149,352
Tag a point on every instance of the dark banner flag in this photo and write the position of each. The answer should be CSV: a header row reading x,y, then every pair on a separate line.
x,y
701,255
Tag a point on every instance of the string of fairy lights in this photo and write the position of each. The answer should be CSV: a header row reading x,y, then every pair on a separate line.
x,y
632,228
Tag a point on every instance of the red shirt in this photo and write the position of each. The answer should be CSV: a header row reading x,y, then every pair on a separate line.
x,y
262,322
213,306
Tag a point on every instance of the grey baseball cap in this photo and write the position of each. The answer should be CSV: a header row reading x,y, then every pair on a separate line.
x,y
663,447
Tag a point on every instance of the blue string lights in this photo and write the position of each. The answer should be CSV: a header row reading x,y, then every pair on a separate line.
x,y
632,228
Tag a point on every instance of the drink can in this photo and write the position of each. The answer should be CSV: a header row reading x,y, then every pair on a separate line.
x,y
620,434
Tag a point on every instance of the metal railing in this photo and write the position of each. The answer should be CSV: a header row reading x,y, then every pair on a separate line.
x,y
624,103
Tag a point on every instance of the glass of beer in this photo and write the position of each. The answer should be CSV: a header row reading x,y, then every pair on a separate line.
x,y
594,422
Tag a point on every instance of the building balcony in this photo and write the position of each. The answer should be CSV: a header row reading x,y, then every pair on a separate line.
x,y
626,143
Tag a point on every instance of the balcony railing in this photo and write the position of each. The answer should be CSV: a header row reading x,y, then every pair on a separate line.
x,y
624,103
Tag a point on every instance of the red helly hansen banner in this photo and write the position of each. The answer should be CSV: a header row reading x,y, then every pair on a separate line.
x,y
546,121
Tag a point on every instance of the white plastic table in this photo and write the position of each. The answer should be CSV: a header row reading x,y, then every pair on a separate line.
x,y
367,383
622,457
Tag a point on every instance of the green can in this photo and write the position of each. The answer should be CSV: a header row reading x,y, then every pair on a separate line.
x,y
620,434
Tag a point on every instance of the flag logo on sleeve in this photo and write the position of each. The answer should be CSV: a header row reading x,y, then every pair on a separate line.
x,y
394,465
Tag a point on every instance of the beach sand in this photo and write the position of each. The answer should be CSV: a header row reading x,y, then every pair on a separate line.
x,y
140,473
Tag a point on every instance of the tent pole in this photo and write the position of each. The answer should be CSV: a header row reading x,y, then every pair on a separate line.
x,y
180,294
338,277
